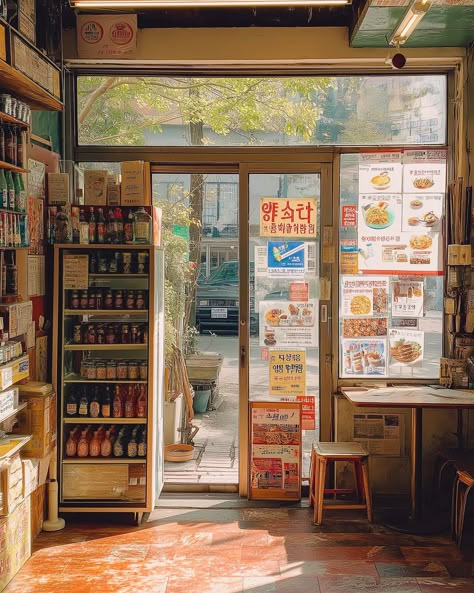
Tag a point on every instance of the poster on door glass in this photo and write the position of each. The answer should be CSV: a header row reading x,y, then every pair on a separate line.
x,y
406,347
380,173
380,216
288,324
364,358
288,217
275,451
287,372
422,212
364,296
301,262
424,172
407,299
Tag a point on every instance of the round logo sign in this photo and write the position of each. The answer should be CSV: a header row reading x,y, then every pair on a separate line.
x,y
121,33
92,32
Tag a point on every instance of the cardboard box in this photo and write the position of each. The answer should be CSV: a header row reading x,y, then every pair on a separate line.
x,y
14,371
36,420
8,402
38,510
95,188
113,190
136,184
31,469
58,188
17,317
12,485
15,541
41,357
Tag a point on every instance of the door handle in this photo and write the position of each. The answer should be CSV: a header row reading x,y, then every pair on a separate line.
x,y
243,354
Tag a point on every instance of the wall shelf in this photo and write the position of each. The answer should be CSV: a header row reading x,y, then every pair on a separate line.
x,y
105,347
105,460
79,379
101,246
116,312
13,169
105,420
8,119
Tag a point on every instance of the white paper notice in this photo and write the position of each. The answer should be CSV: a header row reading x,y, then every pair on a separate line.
x,y
407,299
381,434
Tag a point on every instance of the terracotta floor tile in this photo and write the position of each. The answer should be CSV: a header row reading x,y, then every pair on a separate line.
x,y
443,585
329,567
236,568
373,553
411,569
281,585
275,552
367,585
416,554
212,585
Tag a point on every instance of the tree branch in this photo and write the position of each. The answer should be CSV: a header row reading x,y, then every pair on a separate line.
x,y
92,98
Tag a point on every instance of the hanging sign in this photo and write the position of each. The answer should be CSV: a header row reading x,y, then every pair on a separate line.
x,y
288,217
106,36
275,451
76,272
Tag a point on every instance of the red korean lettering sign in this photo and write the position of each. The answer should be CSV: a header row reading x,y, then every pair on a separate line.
x,y
288,217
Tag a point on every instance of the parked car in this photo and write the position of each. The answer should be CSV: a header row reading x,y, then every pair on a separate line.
x,y
217,300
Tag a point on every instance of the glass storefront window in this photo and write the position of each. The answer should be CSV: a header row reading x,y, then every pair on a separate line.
x,y
284,111
391,264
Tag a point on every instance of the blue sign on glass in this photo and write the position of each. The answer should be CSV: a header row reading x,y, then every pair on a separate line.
x,y
286,255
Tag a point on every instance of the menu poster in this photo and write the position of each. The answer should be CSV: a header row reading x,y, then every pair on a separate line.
x,y
365,327
288,217
364,357
407,299
275,451
380,215
380,177
76,272
286,255
406,347
364,296
381,434
424,171
263,261
287,372
308,410
422,212
288,324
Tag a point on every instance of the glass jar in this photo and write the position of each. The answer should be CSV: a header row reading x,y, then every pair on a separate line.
x,y
77,334
130,300
91,371
83,368
100,334
125,334
111,370
134,335
110,334
133,369
74,303
101,371
122,370
118,299
91,335
143,370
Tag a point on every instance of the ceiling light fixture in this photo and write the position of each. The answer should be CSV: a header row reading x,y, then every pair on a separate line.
x,y
130,4
410,22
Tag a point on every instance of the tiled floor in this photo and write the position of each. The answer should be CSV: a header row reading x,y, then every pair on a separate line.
x,y
227,549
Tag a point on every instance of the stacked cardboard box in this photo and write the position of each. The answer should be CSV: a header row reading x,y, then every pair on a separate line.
x,y
39,418
15,541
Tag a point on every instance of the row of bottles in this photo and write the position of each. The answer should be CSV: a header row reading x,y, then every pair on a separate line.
x,y
12,191
9,273
111,227
12,146
107,441
121,401
119,262
106,298
11,105
14,230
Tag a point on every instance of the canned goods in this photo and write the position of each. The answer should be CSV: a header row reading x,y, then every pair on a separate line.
x,y
127,262
122,370
133,369
101,371
111,370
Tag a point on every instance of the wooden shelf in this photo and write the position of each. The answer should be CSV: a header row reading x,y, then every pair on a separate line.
x,y
105,460
22,440
105,420
116,312
118,275
8,119
14,248
14,412
105,347
9,211
13,169
88,246
23,88
78,379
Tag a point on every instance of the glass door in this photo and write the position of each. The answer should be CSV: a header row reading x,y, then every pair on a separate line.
x,y
285,334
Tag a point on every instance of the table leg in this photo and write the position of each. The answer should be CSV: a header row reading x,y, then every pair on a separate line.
x,y
416,462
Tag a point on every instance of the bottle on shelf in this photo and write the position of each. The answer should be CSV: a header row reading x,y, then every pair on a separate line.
x,y
119,225
101,228
11,190
11,274
3,190
106,445
130,403
111,227
71,445
75,226
119,445
132,447
106,405
21,203
95,445
94,406
128,228
141,402
2,144
92,227
71,404
83,445
19,148
142,227
141,452
117,411
83,404
83,228
10,146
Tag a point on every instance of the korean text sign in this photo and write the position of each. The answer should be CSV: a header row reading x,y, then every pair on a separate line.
x,y
288,217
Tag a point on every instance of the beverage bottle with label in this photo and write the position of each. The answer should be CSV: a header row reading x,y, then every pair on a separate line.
x,y
71,445
106,445
22,195
117,403
128,228
11,190
3,190
142,445
132,448
95,445
10,146
141,402
17,186
94,406
119,445
75,226
83,445
101,230
83,228
141,226
2,144
71,403
111,228
129,403
119,225
106,406
84,404
92,226
19,148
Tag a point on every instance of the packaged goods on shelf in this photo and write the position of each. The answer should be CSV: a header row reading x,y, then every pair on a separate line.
x,y
15,541
113,190
36,420
8,402
12,484
17,317
95,188
37,504
135,189
14,371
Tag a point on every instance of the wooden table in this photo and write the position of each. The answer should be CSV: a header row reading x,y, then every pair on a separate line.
x,y
416,398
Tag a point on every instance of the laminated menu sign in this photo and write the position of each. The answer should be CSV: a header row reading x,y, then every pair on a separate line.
x,y
424,171
406,347
275,451
287,369
364,296
422,212
286,256
364,357
365,327
288,324
288,217
407,299
380,173
76,272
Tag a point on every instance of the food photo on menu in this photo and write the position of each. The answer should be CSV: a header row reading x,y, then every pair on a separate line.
x,y
406,347
364,357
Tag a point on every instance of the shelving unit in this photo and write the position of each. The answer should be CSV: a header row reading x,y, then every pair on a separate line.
x,y
102,477
13,169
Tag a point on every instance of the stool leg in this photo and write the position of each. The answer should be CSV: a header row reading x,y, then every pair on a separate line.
x,y
321,485
368,497
317,479
356,468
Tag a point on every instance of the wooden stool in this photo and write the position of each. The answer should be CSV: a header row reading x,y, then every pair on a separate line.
x,y
353,453
462,488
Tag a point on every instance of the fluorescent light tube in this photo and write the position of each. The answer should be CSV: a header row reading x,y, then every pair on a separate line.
x,y
410,22
130,4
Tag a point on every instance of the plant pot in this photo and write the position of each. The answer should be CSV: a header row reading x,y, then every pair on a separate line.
x,y
202,393
203,367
